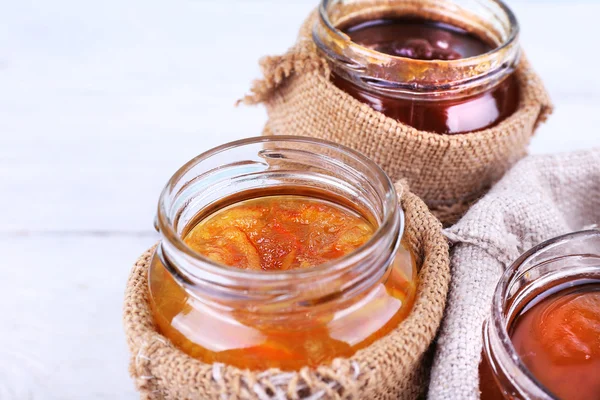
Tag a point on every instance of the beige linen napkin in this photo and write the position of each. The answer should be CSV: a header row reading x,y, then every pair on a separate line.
x,y
540,198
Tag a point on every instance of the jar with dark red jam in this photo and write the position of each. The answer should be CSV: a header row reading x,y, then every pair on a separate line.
x,y
442,66
542,340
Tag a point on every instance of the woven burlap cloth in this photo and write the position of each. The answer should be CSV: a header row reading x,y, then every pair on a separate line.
x,y
540,198
449,172
395,367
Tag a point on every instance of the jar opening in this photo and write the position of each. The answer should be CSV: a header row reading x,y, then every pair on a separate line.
x,y
566,262
257,166
490,20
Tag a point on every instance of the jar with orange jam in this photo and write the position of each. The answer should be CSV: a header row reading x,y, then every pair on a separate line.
x,y
542,340
279,252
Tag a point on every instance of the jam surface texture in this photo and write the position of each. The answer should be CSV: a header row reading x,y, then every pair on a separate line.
x,y
279,233
418,39
558,339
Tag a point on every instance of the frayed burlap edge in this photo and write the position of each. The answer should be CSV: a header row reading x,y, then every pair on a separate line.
x,y
395,367
449,172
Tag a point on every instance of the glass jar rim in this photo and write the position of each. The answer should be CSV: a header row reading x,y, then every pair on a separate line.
x,y
514,33
498,320
393,211
389,73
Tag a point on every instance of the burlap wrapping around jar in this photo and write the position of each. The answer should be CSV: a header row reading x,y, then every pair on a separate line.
x,y
394,367
449,172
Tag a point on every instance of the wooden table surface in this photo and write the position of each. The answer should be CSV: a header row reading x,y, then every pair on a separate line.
x,y
100,102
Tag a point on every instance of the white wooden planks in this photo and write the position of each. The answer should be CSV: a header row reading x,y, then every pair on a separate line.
x,y
101,102
61,302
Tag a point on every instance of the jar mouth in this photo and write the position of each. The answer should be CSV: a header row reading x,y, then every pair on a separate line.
x,y
392,220
512,37
390,73
508,301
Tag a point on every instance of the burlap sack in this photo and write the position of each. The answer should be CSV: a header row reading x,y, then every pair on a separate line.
x,y
395,367
449,172
540,198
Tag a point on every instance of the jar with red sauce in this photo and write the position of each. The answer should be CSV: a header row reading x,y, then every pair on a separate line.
x,y
442,66
542,340
279,252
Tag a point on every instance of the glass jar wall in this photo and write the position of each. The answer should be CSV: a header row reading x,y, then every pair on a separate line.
x,y
439,66
542,340
257,319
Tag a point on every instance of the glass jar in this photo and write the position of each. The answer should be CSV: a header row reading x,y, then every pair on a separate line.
x,y
284,319
560,264
442,96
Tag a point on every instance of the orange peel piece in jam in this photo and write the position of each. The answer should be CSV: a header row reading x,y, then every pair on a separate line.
x,y
279,233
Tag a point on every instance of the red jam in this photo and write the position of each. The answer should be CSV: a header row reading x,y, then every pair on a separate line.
x,y
430,40
487,383
558,340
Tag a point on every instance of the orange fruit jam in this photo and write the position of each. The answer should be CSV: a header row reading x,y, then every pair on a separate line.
x,y
278,233
558,339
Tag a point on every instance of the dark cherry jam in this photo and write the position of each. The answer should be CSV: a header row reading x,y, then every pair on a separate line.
x,y
421,39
